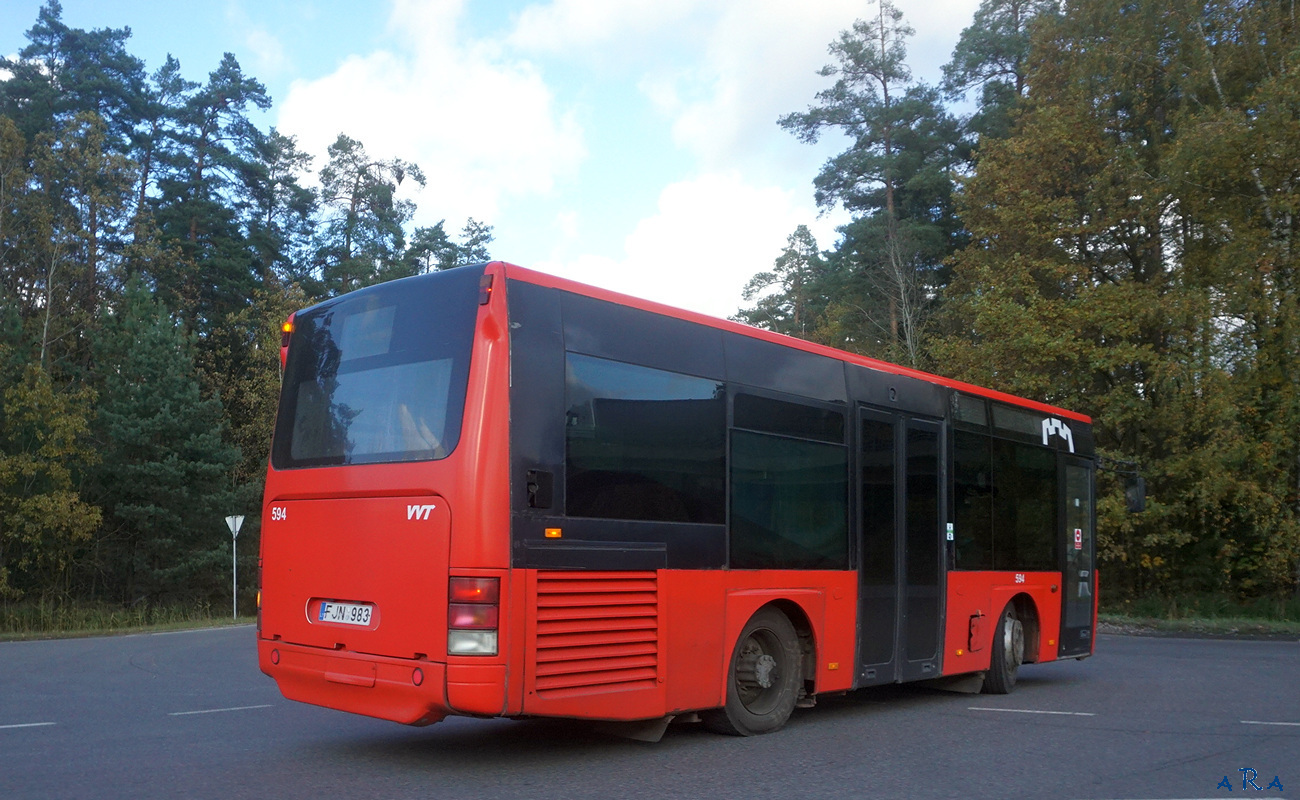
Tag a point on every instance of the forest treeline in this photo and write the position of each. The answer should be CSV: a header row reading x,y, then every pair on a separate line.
x,y
1111,228
152,240
1094,208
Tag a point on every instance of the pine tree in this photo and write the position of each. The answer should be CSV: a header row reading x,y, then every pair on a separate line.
x,y
992,55
896,180
165,477
363,240
791,298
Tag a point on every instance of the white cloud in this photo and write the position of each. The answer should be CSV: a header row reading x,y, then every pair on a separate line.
x,y
482,125
268,51
665,89
600,28
269,57
709,236
723,71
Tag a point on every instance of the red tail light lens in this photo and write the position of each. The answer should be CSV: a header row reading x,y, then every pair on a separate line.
x,y
474,590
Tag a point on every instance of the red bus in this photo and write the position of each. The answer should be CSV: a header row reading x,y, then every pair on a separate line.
x,y
494,492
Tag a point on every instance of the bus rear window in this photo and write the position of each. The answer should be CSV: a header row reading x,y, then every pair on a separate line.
x,y
379,375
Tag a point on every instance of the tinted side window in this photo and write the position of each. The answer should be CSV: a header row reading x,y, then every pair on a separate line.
x,y
788,419
643,444
1024,506
789,497
972,500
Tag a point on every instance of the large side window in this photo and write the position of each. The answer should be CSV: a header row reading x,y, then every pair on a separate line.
x,y
1024,506
643,444
972,478
789,486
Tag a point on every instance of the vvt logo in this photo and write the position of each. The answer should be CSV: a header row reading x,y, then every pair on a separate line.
x,y
419,512
1054,427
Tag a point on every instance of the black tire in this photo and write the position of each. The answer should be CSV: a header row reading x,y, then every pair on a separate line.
x,y
763,679
1008,653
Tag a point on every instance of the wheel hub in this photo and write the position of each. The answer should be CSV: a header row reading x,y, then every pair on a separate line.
x,y
756,670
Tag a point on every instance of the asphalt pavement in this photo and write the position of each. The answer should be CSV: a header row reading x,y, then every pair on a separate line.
x,y
189,715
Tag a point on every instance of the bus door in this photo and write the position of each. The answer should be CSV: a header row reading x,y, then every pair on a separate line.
x,y
899,549
1078,568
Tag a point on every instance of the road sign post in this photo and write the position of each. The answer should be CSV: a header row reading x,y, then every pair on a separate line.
x,y
234,522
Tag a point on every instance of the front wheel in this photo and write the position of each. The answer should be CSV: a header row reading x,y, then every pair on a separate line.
x,y
763,679
1008,653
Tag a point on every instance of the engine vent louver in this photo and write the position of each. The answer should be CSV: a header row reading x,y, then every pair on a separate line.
x,y
596,631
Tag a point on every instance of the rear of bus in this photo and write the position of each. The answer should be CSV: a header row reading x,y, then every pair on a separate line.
x,y
385,533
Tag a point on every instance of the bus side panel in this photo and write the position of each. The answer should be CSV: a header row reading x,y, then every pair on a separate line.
x,y
976,600
638,645
480,534
829,601
708,610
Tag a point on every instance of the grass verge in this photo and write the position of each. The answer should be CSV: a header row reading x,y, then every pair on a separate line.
x,y
1219,627
1203,615
64,620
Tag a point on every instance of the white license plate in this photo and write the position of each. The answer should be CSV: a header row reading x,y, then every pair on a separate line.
x,y
345,613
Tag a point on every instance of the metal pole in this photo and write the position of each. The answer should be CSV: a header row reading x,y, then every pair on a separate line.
x,y
233,522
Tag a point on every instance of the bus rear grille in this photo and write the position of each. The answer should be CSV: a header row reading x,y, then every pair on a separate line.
x,y
596,631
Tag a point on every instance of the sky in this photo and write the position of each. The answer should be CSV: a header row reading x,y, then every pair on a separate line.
x,y
629,144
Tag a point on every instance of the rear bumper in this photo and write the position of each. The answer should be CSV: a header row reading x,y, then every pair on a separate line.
x,y
402,690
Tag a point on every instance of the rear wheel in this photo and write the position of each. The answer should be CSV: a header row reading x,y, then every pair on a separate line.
x,y
763,678
1008,653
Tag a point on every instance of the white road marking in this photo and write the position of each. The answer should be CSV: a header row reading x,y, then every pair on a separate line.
x,y
1032,711
216,710
28,725
1257,722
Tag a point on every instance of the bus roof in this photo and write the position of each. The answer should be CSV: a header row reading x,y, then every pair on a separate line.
x,y
515,272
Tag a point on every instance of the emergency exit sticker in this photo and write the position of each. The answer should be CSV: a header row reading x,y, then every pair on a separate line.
x,y
1078,538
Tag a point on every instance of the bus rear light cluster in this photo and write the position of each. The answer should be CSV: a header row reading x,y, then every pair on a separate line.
x,y
473,614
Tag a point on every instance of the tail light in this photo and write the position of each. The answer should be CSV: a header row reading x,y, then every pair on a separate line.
x,y
473,615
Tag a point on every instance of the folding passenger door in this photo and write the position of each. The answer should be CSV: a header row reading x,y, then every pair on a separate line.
x,y
900,511
1078,567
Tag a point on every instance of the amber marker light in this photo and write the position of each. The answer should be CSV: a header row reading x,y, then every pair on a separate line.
x,y
554,533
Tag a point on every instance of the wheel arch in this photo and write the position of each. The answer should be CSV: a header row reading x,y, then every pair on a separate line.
x,y
1027,612
803,626
805,608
